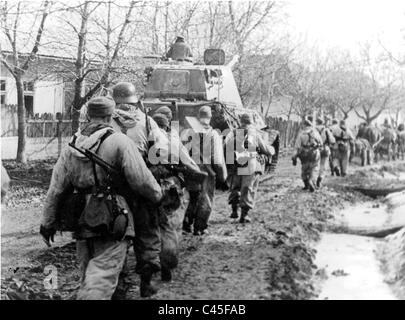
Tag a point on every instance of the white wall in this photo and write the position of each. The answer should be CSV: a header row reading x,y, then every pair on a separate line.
x,y
48,95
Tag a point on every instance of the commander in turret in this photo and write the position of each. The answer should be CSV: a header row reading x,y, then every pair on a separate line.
x,y
180,50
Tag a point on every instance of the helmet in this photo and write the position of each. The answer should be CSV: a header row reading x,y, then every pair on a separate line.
x,y
246,119
124,92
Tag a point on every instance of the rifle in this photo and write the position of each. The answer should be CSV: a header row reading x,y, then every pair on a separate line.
x,y
119,223
97,160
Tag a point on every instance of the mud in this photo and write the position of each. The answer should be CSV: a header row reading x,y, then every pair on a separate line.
x,y
270,258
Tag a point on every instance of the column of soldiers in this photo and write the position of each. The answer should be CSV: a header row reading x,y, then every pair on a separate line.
x,y
316,146
136,204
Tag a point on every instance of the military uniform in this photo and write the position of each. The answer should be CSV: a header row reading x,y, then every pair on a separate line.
x,y
401,142
389,142
325,152
244,177
179,51
5,183
148,138
100,256
308,144
207,152
169,220
341,149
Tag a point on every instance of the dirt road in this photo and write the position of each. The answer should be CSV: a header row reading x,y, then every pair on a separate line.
x,y
270,258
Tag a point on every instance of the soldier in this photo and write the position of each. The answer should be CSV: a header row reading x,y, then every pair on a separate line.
x,y
207,152
169,219
180,51
245,175
144,131
5,183
166,112
328,140
101,256
341,149
388,143
308,145
401,141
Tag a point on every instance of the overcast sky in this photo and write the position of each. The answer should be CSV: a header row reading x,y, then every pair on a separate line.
x,y
346,23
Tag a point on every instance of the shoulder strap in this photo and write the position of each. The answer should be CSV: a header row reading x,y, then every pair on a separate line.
x,y
102,139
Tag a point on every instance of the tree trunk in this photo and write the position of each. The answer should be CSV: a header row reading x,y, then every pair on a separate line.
x,y
77,104
21,156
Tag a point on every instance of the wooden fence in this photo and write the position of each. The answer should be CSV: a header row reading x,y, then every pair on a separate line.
x,y
288,130
38,126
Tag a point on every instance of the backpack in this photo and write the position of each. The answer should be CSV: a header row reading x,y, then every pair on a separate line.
x,y
309,152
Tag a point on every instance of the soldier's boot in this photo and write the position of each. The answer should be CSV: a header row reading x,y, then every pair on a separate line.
x,y
147,288
166,274
337,171
243,217
311,186
234,214
306,185
319,182
186,227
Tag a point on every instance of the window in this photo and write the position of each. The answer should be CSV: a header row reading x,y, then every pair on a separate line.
x,y
2,85
2,99
29,86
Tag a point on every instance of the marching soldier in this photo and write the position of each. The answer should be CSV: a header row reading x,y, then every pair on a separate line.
x,y
308,147
389,141
144,131
5,183
341,149
247,169
401,141
328,140
169,220
101,254
207,152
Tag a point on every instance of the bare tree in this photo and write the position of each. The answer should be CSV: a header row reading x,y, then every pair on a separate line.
x,y
18,65
96,56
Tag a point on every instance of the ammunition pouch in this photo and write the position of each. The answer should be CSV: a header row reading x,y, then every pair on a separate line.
x,y
102,215
342,146
69,209
308,154
325,152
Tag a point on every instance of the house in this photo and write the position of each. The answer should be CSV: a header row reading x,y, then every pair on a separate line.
x,y
48,84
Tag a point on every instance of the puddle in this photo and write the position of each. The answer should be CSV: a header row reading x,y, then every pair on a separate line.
x,y
352,269
364,215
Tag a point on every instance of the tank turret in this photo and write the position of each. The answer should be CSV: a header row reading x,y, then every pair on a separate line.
x,y
184,87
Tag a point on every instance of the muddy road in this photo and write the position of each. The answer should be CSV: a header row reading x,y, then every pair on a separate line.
x,y
271,258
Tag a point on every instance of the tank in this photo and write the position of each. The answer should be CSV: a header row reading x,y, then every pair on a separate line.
x,y
184,87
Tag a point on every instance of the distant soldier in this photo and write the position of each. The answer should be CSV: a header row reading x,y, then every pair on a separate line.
x,y
334,123
362,132
166,112
308,147
389,142
180,51
207,151
5,183
328,139
101,255
248,165
341,149
401,141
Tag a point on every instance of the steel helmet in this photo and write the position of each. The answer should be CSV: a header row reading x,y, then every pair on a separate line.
x,y
124,92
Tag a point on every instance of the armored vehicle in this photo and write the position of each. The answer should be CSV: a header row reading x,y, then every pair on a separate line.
x,y
184,87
